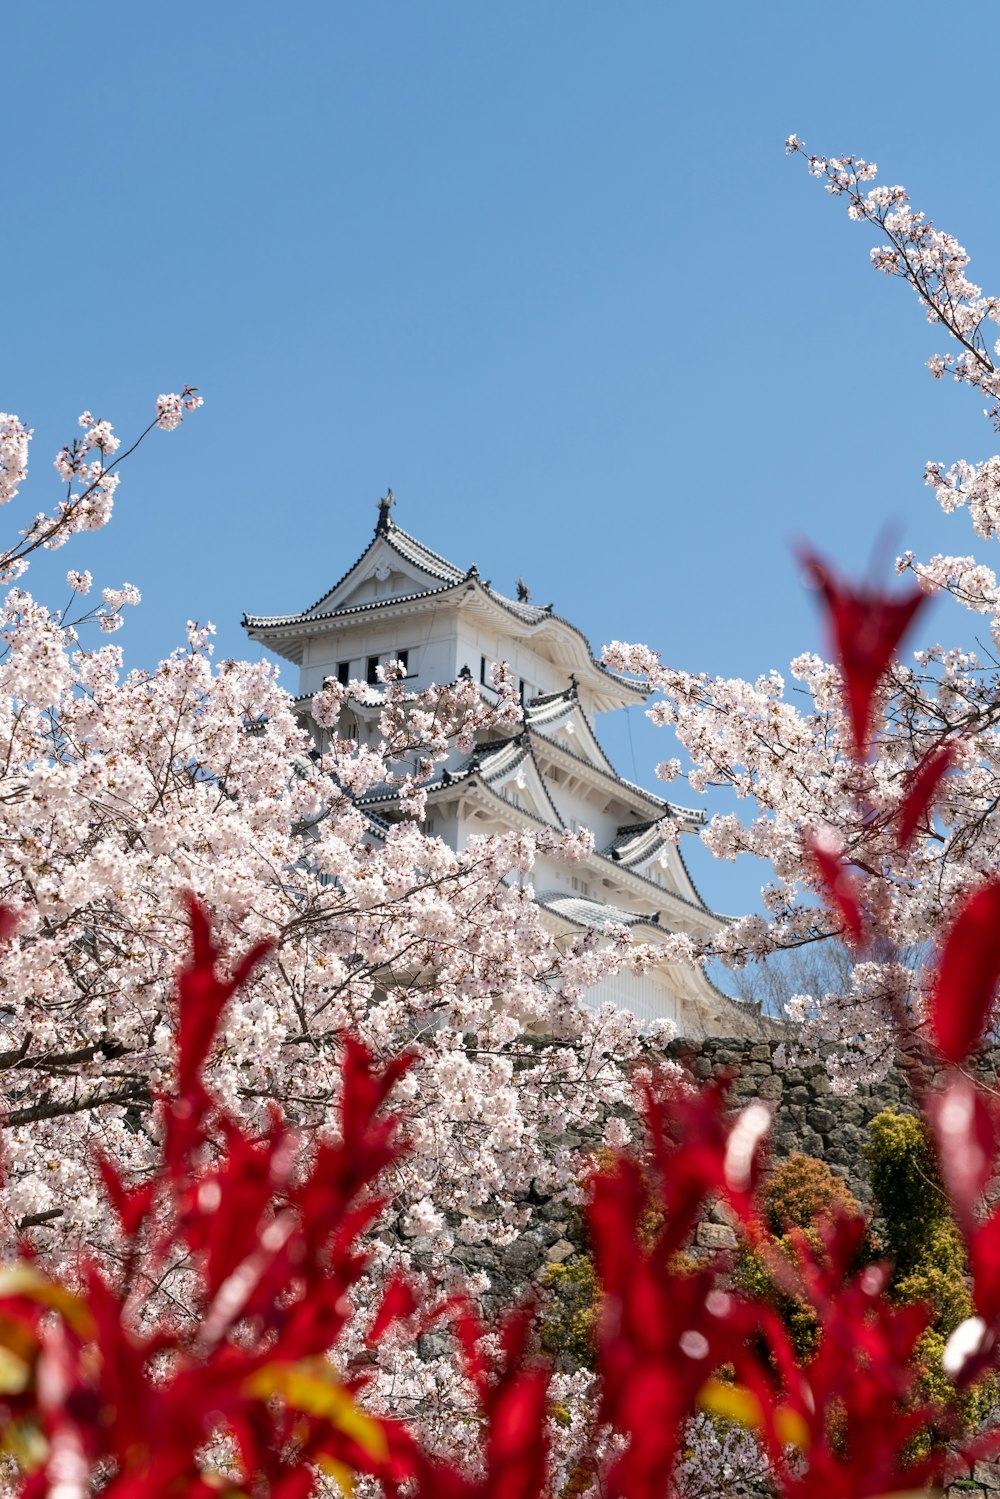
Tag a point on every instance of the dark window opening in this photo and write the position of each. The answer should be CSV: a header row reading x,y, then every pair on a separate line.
x,y
482,670
403,657
372,671
343,672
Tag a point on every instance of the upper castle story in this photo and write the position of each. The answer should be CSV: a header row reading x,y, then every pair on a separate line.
x,y
400,600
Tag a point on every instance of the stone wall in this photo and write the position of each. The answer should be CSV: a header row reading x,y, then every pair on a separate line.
x,y
808,1116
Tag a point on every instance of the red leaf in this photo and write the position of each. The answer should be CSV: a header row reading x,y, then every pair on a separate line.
x,y
398,1300
202,995
921,790
130,1206
516,1447
964,1131
865,628
967,976
984,1263
838,887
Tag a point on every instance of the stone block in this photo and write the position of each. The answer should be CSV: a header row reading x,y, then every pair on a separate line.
x,y
721,1212
433,1345
561,1250
480,1255
521,1257
715,1236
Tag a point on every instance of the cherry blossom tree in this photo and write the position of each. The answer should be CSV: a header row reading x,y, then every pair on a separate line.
x,y
817,807
121,791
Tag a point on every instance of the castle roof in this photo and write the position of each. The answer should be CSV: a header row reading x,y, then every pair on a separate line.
x,y
430,579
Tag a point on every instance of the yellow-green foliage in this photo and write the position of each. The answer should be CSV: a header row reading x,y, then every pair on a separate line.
x,y
938,1278
907,1188
751,1276
926,1249
570,1312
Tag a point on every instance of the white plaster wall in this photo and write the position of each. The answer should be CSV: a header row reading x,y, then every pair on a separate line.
x,y
646,997
428,637
578,811
475,641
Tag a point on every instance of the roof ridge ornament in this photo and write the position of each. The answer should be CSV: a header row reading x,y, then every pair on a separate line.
x,y
385,522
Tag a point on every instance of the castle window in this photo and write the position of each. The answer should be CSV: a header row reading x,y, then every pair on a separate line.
x,y
403,657
372,677
482,670
343,672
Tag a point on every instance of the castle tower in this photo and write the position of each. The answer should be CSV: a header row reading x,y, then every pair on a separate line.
x,y
401,601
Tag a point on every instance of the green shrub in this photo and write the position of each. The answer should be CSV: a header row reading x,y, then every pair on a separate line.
x,y
907,1188
928,1255
569,1315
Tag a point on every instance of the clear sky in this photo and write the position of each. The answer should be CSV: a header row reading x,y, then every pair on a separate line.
x,y
542,267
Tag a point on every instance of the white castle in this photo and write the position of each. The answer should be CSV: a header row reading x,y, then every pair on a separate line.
x,y
401,601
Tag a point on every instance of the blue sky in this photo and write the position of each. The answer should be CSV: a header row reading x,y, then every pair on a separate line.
x,y
543,268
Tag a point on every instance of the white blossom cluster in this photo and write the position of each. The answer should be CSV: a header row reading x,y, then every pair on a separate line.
x,y
14,439
720,1458
87,466
934,264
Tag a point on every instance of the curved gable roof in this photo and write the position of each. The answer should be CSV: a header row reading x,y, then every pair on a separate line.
x,y
441,576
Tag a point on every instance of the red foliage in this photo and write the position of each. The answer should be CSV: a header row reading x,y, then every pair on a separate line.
x,y
398,1301
513,1398
270,1252
661,1333
273,1257
968,974
865,627
852,1408
921,791
838,886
